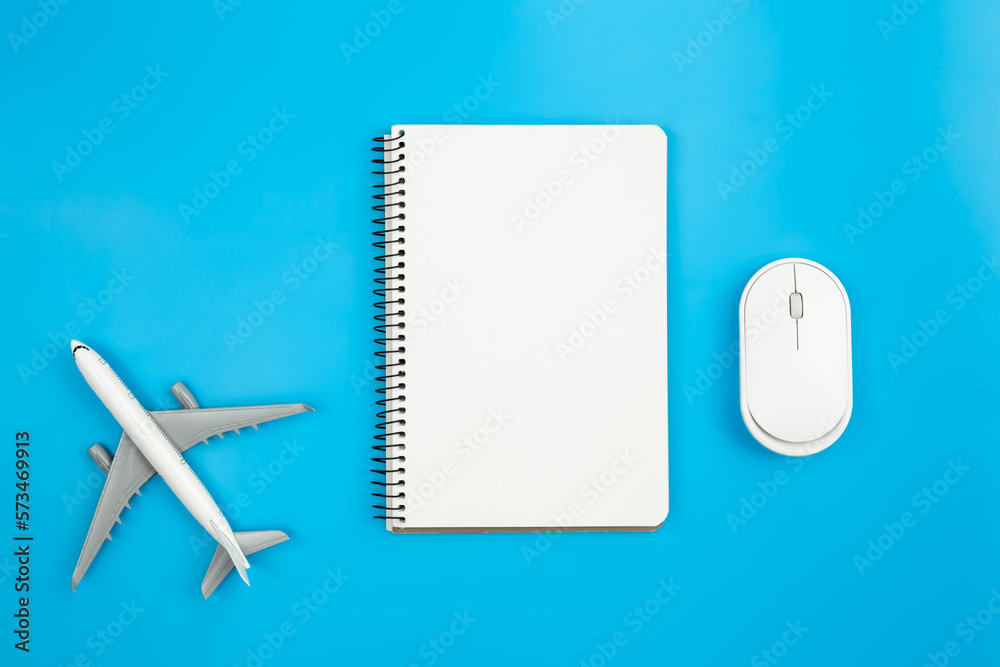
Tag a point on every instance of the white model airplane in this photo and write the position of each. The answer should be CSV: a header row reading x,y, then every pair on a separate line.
x,y
154,442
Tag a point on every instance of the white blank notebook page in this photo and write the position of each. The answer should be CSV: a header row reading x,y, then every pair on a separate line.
x,y
536,327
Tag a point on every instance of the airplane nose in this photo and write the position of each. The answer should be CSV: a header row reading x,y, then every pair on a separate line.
x,y
75,345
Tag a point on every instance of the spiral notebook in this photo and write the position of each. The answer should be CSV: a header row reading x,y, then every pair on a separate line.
x,y
522,285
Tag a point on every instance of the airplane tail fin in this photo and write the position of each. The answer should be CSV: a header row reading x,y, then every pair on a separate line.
x,y
227,555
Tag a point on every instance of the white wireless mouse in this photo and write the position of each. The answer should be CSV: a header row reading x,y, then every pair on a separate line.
x,y
795,357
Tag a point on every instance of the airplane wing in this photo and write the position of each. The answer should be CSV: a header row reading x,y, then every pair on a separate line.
x,y
189,426
129,471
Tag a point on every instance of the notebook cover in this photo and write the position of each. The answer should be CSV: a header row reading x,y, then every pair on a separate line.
x,y
533,301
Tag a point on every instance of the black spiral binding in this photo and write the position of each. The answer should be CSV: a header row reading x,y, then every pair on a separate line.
x,y
390,288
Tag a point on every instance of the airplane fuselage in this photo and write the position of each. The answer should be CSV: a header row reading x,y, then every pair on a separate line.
x,y
158,449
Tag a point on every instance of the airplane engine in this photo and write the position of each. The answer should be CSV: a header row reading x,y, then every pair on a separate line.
x,y
101,457
184,396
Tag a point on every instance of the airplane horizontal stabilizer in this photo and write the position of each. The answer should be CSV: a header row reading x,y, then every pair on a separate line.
x,y
250,542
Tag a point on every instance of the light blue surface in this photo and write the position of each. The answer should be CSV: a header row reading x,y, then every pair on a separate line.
x,y
189,283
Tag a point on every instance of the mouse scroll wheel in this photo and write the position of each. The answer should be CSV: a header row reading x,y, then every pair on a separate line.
x,y
795,305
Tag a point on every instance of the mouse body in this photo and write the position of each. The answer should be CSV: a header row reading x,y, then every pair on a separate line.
x,y
796,387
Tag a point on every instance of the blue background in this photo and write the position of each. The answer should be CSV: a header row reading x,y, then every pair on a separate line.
x,y
190,281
